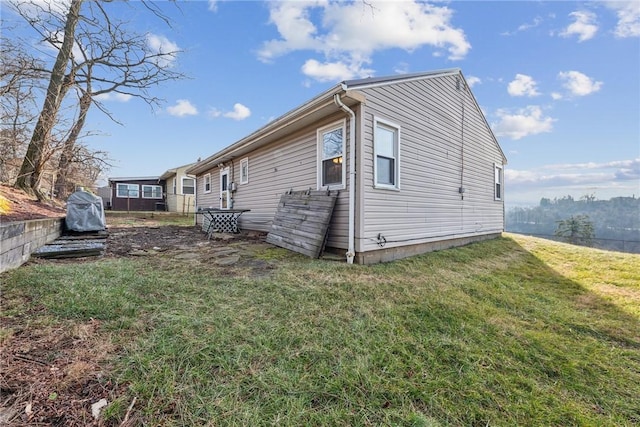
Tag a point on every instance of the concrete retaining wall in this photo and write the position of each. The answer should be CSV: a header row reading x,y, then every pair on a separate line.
x,y
20,238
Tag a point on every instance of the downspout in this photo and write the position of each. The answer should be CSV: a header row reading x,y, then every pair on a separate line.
x,y
352,176
195,199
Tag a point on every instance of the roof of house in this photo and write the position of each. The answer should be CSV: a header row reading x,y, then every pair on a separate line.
x,y
311,111
134,178
173,171
380,81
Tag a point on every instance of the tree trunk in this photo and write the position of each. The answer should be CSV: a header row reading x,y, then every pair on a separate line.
x,y
66,156
33,164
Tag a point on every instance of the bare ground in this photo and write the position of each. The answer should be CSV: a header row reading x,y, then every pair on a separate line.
x,y
15,205
52,371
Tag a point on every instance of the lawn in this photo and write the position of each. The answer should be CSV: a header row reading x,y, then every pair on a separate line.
x,y
513,331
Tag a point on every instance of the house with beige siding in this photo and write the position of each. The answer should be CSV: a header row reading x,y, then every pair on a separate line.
x,y
181,189
412,157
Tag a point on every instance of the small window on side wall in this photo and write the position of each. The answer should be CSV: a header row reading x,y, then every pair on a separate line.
x,y
386,141
207,183
244,171
499,181
188,186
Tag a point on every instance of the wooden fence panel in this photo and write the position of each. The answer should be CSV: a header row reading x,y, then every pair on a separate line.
x,y
302,221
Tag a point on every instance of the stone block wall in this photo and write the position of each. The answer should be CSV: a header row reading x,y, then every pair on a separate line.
x,y
19,239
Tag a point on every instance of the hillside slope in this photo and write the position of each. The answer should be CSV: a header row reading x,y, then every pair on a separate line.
x,y
508,332
16,205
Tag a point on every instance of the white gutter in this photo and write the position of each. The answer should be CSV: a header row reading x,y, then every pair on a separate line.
x,y
352,176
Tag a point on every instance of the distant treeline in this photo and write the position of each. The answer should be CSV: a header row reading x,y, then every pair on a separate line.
x,y
616,222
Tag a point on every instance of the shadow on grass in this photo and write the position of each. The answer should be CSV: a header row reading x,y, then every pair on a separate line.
x,y
514,335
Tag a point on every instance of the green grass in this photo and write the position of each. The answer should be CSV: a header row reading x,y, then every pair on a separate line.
x,y
514,331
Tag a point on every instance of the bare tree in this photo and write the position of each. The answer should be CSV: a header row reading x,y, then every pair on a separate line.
x,y
20,78
97,56
85,167
33,165
67,153
116,62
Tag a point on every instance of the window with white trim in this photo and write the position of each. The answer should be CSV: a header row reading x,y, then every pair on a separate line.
x,y
331,148
188,186
498,179
207,183
152,192
174,186
244,171
386,143
130,191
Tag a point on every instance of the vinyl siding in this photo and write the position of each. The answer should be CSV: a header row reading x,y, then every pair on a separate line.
x,y
179,202
437,156
289,164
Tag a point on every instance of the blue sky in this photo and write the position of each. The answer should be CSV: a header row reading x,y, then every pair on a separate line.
x,y
559,82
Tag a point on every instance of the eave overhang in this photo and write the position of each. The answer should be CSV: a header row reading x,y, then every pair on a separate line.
x,y
297,119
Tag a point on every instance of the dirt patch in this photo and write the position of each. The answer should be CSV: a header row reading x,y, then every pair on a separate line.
x,y
16,205
228,254
51,375
52,372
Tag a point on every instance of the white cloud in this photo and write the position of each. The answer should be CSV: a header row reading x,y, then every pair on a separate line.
x,y
34,9
525,122
333,71
524,27
213,113
160,45
536,21
338,36
556,96
240,112
401,68
584,25
578,84
473,80
213,5
182,108
523,85
577,173
114,96
628,18
605,179
53,42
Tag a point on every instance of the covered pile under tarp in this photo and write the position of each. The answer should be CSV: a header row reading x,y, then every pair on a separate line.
x,y
85,212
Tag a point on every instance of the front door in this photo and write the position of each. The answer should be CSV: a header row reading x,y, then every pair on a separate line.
x,y
224,189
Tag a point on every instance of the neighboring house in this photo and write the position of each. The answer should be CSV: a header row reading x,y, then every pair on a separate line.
x,y
414,160
105,194
181,190
137,193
